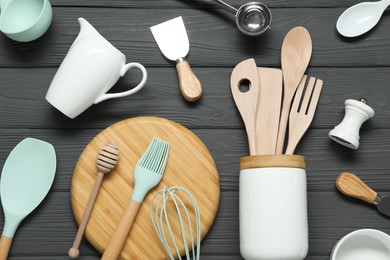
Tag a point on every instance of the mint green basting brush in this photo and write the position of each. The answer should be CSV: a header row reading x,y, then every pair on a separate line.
x,y
147,174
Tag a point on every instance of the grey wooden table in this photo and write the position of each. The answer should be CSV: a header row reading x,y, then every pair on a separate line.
x,y
350,69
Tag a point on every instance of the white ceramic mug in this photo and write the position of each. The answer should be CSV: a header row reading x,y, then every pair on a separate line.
x,y
91,67
273,207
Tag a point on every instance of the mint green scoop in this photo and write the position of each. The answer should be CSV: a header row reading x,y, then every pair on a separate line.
x,y
25,20
27,176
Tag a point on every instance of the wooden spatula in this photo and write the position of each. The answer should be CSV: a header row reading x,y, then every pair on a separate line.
x,y
268,110
302,111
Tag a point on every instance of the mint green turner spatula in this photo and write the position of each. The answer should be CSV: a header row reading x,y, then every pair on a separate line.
x,y
27,176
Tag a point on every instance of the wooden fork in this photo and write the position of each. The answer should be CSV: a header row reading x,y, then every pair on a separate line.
x,y
302,111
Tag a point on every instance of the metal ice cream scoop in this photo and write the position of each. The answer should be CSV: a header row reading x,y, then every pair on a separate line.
x,y
253,18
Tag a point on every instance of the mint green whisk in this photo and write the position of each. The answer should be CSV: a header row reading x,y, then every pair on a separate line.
x,y
159,216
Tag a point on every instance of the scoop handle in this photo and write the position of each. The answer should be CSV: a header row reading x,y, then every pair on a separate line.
x,y
190,86
121,232
226,6
349,184
5,245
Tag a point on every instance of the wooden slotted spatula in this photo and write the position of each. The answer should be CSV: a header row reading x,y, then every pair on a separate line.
x,y
302,111
247,102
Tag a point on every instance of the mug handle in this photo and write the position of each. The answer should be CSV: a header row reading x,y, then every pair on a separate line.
x,y
123,71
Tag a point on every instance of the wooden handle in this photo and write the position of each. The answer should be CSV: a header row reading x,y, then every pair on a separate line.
x,y
350,185
282,126
121,232
5,245
74,252
190,86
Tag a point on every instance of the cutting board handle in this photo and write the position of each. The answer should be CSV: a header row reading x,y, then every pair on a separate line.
x,y
5,245
190,86
349,184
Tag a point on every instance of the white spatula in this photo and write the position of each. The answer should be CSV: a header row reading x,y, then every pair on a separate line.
x,y
171,37
27,176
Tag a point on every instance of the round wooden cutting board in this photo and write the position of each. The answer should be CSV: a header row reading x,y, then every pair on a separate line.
x,y
190,165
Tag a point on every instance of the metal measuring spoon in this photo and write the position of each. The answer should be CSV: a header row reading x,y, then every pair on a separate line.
x,y
252,18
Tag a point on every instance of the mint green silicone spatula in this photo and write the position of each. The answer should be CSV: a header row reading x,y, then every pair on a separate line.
x,y
27,176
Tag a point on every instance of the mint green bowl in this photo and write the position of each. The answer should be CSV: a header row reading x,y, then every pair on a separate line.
x,y
25,20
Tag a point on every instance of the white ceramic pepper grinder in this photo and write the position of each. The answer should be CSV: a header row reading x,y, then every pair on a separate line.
x,y
347,132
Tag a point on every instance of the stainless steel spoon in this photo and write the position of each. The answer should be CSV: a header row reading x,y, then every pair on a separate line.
x,y
253,18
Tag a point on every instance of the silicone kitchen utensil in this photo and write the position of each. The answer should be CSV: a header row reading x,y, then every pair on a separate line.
x,y
246,102
347,132
302,111
147,174
362,244
268,110
349,184
295,57
106,160
172,39
23,20
361,18
134,135
172,200
27,176
253,18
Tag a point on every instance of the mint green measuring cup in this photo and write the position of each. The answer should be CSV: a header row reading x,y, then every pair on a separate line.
x,y
25,20
27,176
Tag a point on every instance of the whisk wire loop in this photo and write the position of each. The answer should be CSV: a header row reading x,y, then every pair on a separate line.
x,y
160,218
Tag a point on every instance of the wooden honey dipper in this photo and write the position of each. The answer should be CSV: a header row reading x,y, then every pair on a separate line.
x,y
106,161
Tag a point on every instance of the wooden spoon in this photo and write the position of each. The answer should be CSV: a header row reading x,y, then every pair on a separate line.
x,y
247,101
105,162
295,57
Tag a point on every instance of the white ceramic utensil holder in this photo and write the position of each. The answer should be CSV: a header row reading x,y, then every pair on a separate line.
x,y
273,207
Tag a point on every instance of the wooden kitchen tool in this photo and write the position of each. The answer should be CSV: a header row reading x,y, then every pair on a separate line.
x,y
302,111
147,174
190,165
268,110
246,102
171,37
106,160
295,57
351,185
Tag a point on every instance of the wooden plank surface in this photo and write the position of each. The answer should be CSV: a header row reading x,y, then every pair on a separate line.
x,y
162,98
214,39
350,68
